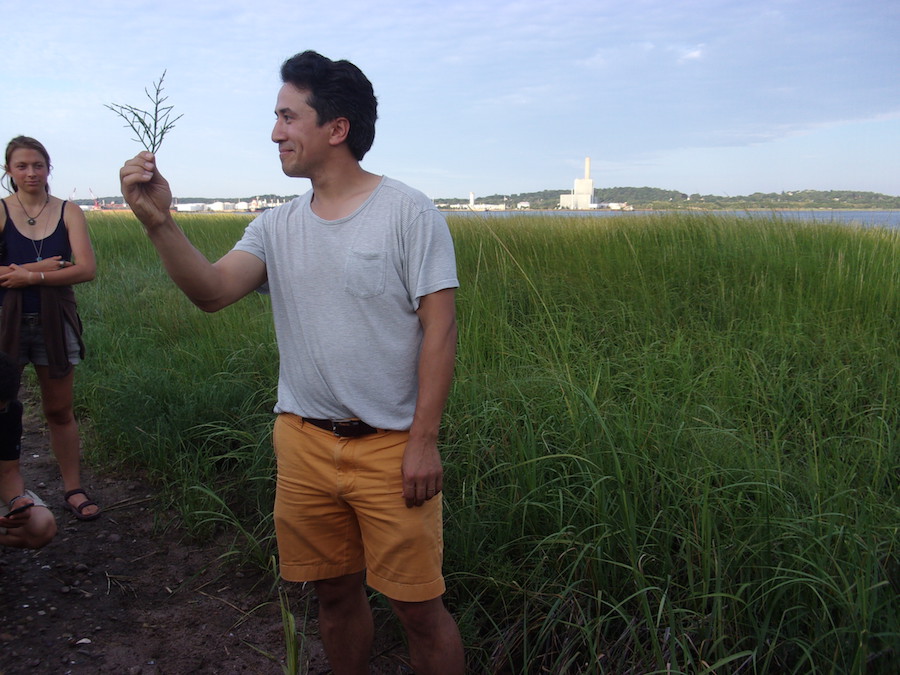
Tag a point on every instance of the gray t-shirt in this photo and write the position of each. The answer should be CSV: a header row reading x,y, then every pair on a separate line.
x,y
344,299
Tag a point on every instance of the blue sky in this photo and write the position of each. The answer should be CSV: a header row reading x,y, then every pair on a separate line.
x,y
497,97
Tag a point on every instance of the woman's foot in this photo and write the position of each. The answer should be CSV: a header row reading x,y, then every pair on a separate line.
x,y
83,508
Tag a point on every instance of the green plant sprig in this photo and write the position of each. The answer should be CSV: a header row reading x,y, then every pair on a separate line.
x,y
150,126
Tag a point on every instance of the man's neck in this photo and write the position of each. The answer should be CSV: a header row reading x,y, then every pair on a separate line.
x,y
340,193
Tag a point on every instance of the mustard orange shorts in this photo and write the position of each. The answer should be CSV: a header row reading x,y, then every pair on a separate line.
x,y
339,510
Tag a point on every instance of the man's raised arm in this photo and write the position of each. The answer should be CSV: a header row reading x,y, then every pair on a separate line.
x,y
209,286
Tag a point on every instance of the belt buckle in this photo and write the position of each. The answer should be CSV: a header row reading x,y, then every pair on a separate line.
x,y
345,428
352,428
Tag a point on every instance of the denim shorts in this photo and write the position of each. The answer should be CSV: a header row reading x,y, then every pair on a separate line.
x,y
32,348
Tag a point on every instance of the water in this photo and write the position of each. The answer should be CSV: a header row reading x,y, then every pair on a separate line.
x,y
861,218
889,219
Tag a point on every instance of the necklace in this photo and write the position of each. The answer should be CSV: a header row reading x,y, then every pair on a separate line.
x,y
31,221
37,250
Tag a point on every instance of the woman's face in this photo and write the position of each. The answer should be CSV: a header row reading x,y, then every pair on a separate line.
x,y
28,169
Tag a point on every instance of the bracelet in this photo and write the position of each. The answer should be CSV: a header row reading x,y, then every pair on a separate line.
x,y
42,277
10,502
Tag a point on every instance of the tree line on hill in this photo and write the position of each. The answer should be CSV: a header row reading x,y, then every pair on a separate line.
x,y
658,199
648,198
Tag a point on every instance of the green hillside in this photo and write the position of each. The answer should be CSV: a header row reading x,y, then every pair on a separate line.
x,y
648,198
657,198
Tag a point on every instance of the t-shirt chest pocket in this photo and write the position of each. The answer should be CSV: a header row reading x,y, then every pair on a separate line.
x,y
365,273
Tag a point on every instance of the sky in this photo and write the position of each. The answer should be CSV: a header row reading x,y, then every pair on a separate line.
x,y
475,96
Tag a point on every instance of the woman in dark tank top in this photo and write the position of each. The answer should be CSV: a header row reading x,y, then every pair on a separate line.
x,y
44,250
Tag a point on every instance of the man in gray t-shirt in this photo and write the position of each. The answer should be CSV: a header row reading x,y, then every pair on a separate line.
x,y
362,276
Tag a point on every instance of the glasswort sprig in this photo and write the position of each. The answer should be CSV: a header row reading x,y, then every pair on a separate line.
x,y
150,126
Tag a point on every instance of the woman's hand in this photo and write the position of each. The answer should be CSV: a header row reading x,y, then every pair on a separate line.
x,y
51,264
20,277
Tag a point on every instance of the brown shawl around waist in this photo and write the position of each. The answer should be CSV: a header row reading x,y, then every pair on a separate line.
x,y
58,307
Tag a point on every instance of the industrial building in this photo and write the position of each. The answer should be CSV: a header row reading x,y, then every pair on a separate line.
x,y
582,196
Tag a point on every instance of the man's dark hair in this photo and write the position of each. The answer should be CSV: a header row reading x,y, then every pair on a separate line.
x,y
10,375
336,89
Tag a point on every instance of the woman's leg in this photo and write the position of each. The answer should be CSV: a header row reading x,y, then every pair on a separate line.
x,y
57,401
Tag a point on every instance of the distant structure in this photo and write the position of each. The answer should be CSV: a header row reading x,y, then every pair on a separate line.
x,y
582,196
253,206
472,206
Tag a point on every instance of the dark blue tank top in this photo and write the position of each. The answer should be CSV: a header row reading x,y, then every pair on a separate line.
x,y
19,249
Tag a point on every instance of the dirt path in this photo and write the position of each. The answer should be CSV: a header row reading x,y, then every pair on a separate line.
x,y
129,594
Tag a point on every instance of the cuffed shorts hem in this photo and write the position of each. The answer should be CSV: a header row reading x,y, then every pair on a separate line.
x,y
299,573
388,588
407,592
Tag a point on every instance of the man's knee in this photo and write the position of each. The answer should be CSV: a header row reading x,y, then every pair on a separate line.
x,y
41,528
340,590
37,533
424,617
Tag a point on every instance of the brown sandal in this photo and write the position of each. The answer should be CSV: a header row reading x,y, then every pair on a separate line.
x,y
78,511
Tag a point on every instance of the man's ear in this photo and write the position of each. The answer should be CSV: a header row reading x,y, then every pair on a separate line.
x,y
340,129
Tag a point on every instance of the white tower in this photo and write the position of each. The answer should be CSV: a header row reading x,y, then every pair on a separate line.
x,y
582,196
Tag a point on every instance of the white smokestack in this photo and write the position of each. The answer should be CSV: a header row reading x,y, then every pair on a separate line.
x,y
587,168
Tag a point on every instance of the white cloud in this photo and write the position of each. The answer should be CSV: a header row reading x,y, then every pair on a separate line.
x,y
686,55
476,96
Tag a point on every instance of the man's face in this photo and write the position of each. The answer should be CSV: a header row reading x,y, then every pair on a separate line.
x,y
302,143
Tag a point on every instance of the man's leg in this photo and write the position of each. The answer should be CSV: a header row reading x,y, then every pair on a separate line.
x,y
435,646
346,624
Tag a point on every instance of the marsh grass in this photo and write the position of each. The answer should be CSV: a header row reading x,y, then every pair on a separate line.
x,y
182,395
671,444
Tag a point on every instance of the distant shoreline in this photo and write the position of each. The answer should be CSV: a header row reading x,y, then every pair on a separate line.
x,y
756,209
888,218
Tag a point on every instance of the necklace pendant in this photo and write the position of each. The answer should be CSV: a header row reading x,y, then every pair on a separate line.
x,y
39,258
31,221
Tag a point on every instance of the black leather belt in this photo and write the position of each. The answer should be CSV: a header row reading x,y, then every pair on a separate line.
x,y
31,319
343,428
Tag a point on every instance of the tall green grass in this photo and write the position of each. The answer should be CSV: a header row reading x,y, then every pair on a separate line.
x,y
180,394
671,444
